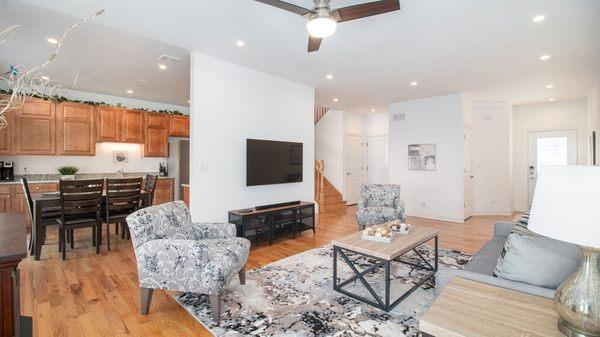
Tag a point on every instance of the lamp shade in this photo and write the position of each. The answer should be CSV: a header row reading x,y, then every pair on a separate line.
x,y
566,204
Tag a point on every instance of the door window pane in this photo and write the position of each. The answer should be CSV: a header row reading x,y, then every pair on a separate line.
x,y
552,151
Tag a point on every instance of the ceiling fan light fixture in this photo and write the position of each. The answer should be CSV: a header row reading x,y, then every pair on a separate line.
x,y
321,27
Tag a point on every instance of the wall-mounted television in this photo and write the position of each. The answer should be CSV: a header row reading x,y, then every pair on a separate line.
x,y
273,162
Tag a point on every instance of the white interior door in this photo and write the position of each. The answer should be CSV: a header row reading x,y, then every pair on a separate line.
x,y
549,148
353,167
377,159
469,177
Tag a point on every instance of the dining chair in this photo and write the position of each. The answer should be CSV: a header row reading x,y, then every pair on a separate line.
x,y
122,198
80,205
49,215
150,186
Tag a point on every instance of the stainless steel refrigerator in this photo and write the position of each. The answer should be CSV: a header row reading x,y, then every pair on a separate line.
x,y
179,164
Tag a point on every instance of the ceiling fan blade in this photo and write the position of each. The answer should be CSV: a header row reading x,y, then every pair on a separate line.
x,y
286,6
314,43
368,9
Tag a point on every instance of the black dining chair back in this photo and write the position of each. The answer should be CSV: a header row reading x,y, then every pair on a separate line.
x,y
49,215
150,186
80,205
28,199
122,198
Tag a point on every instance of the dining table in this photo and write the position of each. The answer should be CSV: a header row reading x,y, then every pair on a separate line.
x,y
46,200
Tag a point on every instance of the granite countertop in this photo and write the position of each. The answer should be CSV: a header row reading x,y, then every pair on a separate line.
x,y
54,178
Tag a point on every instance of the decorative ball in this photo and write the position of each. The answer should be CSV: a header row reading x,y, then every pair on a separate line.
x,y
378,235
366,232
384,232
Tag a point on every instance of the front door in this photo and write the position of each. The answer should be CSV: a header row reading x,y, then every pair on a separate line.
x,y
377,159
353,167
549,148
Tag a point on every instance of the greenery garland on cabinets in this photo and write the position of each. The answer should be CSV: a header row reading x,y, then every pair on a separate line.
x,y
61,99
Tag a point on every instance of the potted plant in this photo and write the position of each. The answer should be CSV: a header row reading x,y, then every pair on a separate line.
x,y
67,172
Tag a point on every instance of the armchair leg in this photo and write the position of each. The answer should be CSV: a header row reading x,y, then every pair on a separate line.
x,y
215,305
242,275
145,299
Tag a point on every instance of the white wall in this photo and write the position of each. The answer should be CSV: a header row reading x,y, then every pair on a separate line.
x,y
329,146
570,114
229,104
593,103
492,154
377,124
433,194
101,163
354,123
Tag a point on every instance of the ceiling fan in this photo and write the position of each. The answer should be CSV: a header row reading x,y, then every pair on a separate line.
x,y
323,20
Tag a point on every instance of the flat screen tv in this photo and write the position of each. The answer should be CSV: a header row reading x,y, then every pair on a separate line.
x,y
272,162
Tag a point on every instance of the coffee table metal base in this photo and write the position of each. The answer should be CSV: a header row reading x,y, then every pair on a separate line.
x,y
378,302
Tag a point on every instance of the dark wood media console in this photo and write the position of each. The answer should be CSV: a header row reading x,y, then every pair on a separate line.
x,y
273,223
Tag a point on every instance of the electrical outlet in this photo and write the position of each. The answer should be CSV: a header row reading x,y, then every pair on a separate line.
x,y
204,166
423,204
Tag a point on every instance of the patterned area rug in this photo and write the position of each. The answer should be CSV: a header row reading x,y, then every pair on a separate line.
x,y
295,297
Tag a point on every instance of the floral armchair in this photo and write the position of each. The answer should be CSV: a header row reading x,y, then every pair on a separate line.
x,y
379,203
173,253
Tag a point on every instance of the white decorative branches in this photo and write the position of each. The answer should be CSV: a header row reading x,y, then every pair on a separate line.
x,y
23,82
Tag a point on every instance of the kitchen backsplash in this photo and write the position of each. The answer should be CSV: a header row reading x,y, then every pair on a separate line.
x,y
103,161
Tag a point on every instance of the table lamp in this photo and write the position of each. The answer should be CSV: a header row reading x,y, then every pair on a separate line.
x,y
566,207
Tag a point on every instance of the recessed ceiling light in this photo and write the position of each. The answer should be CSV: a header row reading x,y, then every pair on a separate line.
x,y
52,40
544,57
329,76
373,110
240,43
414,84
162,66
335,99
45,78
552,99
538,18
129,91
550,86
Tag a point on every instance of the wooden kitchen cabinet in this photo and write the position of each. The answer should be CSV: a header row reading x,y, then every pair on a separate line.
x,y
6,135
75,132
157,138
35,128
164,191
132,126
108,124
5,199
179,126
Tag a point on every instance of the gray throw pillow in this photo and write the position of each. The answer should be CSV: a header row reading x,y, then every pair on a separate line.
x,y
538,260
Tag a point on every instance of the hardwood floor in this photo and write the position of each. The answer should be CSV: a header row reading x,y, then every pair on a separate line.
x,y
98,295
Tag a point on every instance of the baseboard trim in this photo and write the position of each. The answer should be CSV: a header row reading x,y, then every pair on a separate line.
x,y
493,212
434,217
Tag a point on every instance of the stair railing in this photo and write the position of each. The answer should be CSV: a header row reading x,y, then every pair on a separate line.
x,y
320,182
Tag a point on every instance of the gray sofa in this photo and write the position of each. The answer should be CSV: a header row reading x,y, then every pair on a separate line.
x,y
481,267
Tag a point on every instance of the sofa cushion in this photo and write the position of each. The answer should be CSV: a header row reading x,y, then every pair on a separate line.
x,y
485,260
538,260
519,228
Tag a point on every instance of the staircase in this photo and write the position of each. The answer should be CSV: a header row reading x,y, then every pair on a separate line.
x,y
320,111
326,195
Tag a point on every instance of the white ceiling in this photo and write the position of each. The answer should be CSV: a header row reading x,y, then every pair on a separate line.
x,y
116,61
488,48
